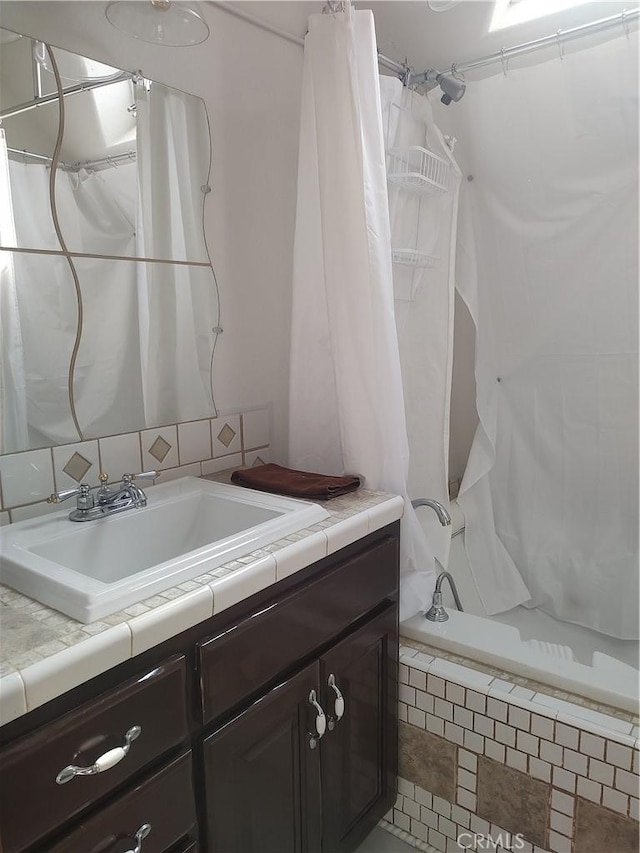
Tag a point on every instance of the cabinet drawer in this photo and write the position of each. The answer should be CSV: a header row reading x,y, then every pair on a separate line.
x,y
164,803
239,662
33,803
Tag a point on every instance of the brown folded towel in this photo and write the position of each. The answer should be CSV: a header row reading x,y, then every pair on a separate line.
x,y
299,484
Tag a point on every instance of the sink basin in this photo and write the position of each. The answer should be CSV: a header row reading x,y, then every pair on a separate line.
x,y
190,526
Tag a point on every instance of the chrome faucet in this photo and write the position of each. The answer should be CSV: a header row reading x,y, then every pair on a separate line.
x,y
436,612
107,500
441,511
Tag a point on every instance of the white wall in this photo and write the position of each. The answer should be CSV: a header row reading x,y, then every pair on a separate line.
x,y
250,82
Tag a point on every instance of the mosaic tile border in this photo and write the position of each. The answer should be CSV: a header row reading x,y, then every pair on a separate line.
x,y
177,450
597,761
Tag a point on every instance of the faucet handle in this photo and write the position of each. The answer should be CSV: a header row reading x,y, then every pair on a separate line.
x,y
58,497
144,475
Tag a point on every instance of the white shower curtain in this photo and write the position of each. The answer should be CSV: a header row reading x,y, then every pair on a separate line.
x,y
425,220
550,493
177,304
346,401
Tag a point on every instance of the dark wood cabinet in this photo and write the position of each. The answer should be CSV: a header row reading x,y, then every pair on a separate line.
x,y
269,728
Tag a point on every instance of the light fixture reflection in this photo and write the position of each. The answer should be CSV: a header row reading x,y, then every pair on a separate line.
x,y
158,22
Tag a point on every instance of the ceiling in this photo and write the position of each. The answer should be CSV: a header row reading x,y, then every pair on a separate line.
x,y
408,28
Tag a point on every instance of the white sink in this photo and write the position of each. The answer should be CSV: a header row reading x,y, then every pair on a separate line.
x,y
190,526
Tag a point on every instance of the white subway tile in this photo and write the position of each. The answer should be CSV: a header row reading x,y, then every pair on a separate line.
x,y
447,827
495,750
483,725
497,709
437,840
559,843
522,693
435,725
566,736
542,726
407,694
479,825
435,686
505,734
411,808
417,679
424,701
419,830
403,673
429,817
551,752
454,733
589,790
405,787
467,760
460,674
517,760
575,762
441,806
498,685
455,693
476,702
443,709
467,779
463,717
562,802
403,712
473,741
539,769
416,717
561,823
422,661
466,799
616,800
529,743
423,797
592,745
634,810
564,779
402,820
460,815
627,782
619,755
600,772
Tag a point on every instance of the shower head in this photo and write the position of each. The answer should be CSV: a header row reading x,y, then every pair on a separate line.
x,y
452,88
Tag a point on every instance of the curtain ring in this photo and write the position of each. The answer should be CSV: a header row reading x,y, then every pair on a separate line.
x,y
625,23
560,47
504,61
459,75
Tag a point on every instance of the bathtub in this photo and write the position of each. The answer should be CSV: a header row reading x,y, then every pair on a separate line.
x,y
528,642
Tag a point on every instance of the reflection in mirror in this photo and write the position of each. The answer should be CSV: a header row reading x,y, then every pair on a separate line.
x,y
135,350
38,329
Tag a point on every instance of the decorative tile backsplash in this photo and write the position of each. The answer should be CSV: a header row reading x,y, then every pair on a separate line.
x,y
192,448
484,766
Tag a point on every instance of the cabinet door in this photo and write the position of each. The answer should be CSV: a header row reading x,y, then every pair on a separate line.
x,y
262,776
359,751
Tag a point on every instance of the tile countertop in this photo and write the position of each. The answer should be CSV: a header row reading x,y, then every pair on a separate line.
x,y
44,653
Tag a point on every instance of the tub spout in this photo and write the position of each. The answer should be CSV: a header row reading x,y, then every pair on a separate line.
x,y
441,511
437,612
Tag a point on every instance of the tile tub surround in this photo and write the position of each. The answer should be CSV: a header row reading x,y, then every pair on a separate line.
x,y
44,653
477,759
193,448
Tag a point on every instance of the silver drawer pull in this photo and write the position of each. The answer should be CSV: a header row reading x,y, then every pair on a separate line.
x,y
106,761
140,836
338,706
321,721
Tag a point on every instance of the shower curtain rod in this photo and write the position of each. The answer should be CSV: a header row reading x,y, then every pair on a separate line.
x,y
623,19
72,90
100,163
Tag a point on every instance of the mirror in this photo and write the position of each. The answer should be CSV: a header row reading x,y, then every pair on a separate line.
x,y
96,341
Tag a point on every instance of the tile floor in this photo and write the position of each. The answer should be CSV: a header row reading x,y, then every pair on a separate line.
x,y
381,841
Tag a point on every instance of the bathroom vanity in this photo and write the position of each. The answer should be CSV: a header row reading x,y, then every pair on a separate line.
x,y
268,727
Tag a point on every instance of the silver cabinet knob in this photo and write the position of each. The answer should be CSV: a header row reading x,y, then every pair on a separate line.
x,y
320,721
338,705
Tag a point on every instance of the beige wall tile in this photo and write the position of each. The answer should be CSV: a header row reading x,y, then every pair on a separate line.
x,y
598,829
428,761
